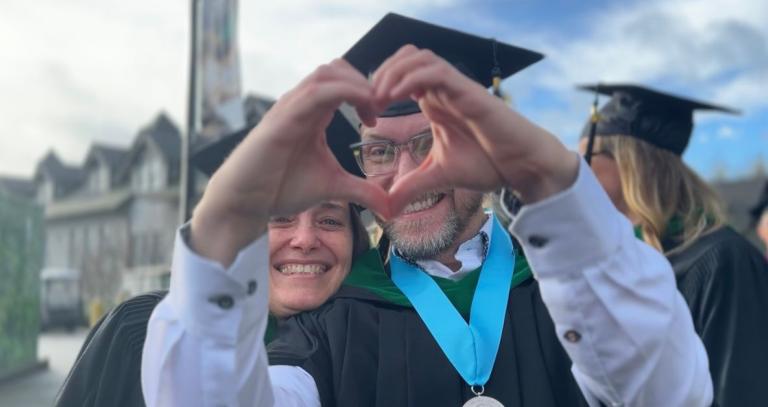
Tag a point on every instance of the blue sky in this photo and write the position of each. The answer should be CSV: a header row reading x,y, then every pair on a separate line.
x,y
721,144
82,71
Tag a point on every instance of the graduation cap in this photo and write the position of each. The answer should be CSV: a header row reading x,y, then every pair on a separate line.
x,y
340,134
659,118
485,60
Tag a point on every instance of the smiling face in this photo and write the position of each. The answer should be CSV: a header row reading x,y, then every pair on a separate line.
x,y
310,255
435,221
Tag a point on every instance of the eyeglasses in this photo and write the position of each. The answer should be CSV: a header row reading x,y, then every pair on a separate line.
x,y
381,157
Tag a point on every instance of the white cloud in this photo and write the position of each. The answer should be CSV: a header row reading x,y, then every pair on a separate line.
x,y
726,133
80,71
715,50
83,70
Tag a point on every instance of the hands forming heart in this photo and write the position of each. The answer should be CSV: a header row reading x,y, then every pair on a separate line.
x,y
285,166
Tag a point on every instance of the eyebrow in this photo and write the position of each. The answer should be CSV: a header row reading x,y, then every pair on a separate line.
x,y
331,206
376,136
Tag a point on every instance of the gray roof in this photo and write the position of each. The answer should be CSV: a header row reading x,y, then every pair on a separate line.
x,y
65,177
113,156
21,187
167,136
164,133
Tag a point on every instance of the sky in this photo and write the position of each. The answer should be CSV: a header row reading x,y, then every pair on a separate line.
x,y
85,71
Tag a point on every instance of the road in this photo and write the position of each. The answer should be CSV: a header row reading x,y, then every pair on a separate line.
x,y
39,388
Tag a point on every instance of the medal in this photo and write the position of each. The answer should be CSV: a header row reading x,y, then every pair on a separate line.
x,y
471,348
482,401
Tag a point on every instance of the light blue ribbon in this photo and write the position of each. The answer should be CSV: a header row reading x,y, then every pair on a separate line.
x,y
471,348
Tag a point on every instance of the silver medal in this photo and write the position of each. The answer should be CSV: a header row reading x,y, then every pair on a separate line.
x,y
483,401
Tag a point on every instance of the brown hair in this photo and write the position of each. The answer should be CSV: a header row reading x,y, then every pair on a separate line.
x,y
361,242
658,186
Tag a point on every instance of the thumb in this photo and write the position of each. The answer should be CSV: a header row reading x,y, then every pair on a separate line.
x,y
360,191
428,177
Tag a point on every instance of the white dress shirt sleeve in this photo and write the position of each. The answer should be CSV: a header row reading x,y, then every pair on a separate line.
x,y
205,345
614,301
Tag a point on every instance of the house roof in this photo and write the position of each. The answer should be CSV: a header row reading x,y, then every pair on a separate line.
x,y
65,177
21,187
163,133
112,156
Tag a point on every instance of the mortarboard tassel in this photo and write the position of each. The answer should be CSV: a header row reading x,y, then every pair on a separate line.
x,y
594,117
496,75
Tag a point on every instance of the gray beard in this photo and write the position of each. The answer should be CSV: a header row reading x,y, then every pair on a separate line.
x,y
413,245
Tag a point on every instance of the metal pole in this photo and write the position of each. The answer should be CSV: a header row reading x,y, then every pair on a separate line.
x,y
187,188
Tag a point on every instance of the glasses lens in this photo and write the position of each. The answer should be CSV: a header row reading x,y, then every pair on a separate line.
x,y
377,158
420,147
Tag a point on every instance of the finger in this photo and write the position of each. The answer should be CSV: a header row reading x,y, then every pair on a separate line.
x,y
404,51
316,100
417,80
366,193
343,69
393,73
426,178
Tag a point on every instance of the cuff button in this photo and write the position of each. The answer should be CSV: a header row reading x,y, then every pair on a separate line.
x,y
223,301
572,336
537,241
252,285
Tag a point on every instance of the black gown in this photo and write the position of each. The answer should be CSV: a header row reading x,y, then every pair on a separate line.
x,y
107,370
365,351
724,280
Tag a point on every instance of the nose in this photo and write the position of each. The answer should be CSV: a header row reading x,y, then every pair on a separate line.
x,y
405,164
305,237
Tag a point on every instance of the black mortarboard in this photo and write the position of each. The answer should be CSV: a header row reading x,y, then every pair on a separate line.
x,y
664,120
485,60
340,134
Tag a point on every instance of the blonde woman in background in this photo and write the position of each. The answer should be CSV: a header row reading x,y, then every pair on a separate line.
x,y
635,144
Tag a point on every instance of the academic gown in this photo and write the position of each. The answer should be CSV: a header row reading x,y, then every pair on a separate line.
x,y
107,371
365,350
724,280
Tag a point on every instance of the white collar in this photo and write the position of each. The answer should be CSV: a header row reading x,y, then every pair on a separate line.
x,y
470,254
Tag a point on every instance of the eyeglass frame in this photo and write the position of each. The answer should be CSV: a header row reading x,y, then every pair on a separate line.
x,y
357,148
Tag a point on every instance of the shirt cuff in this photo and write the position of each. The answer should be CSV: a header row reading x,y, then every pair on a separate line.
x,y
218,303
575,227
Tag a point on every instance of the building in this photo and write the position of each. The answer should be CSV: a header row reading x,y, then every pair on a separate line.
x,y
114,217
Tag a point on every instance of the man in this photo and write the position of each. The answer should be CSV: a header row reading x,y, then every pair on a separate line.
x,y
401,338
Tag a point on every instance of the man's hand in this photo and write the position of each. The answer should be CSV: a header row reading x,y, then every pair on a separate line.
x,y
479,143
285,166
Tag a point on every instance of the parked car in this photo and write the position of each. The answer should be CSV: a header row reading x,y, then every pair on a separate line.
x,y
61,301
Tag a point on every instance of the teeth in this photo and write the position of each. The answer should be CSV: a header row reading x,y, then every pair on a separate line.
x,y
427,201
302,269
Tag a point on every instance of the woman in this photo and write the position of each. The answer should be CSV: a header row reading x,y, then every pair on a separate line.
x,y
635,151
310,255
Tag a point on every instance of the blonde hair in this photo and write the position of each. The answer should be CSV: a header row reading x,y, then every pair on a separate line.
x,y
657,187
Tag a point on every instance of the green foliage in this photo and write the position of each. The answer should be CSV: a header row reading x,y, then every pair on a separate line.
x,y
21,258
